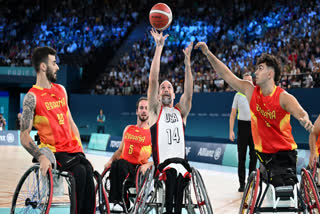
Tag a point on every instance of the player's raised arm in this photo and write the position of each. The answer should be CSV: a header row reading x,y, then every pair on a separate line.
x,y
153,87
224,72
186,98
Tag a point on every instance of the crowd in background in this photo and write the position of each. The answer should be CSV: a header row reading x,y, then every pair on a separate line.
x,y
237,35
72,28
291,32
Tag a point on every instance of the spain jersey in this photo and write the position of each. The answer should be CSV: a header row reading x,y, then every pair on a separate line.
x,y
51,120
270,123
137,145
167,135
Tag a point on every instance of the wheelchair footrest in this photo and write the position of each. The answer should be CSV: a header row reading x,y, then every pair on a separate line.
x,y
284,192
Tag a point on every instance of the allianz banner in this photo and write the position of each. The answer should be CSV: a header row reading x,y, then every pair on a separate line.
x,y
114,143
9,138
207,152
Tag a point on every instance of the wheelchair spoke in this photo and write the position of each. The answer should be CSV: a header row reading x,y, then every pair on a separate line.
x,y
309,192
33,193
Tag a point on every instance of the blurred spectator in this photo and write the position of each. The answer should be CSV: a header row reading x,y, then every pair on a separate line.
x,y
101,118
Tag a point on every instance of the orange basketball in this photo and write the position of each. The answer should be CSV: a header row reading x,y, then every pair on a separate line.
x,y
160,16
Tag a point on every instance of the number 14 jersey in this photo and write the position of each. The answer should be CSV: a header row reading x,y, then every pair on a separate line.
x,y
167,135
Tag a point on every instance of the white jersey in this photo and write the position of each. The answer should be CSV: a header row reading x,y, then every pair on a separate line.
x,y
167,135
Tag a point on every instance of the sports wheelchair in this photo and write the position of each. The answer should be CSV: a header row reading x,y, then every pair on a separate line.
x,y
35,192
315,173
151,195
129,190
289,198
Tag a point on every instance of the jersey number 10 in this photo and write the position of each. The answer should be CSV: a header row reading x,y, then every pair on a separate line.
x,y
173,136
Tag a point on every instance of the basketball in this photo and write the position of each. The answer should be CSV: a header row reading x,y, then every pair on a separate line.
x,y
160,16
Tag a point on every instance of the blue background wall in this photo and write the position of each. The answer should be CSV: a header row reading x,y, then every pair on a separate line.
x,y
209,116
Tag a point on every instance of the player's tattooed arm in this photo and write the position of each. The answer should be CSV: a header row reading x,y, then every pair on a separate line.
x,y
29,105
33,150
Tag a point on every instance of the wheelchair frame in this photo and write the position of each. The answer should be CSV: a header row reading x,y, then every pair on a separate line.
x,y
153,190
34,194
253,196
130,192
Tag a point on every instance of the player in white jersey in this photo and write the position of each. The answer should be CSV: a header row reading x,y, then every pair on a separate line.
x,y
167,124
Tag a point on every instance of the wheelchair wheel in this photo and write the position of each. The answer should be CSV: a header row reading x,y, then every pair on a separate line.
x,y
190,207
203,201
140,178
102,202
106,180
33,193
309,192
72,192
250,194
146,194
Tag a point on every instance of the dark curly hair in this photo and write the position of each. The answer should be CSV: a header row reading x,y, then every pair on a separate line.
x,y
40,54
273,62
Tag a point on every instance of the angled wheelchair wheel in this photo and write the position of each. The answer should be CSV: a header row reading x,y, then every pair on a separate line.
x,y
102,202
105,179
33,193
188,203
249,197
203,200
309,192
72,192
146,193
140,178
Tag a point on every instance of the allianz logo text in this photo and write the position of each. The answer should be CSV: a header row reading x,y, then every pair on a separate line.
x,y
205,152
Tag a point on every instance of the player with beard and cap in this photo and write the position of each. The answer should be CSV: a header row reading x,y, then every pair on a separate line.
x,y
167,124
45,107
134,150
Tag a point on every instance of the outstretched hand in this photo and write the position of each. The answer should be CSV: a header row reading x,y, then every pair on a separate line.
x,y
203,46
158,37
187,52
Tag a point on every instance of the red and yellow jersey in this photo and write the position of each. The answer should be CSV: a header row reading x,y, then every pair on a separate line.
x,y
137,145
52,121
270,123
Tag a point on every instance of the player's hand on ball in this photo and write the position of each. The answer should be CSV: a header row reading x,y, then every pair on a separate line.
x,y
158,37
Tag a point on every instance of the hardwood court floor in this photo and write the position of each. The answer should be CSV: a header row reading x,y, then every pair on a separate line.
x,y
221,182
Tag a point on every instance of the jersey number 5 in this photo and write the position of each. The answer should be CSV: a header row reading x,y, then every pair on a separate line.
x,y
173,136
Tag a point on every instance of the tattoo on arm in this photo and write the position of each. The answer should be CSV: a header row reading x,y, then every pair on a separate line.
x,y
33,150
29,105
